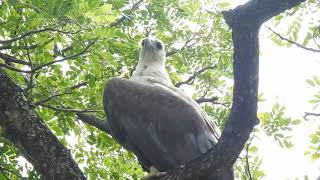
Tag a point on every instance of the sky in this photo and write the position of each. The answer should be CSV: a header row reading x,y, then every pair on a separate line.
x,y
283,74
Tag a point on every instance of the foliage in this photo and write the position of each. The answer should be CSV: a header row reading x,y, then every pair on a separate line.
x,y
304,31
315,83
300,24
314,149
64,52
277,125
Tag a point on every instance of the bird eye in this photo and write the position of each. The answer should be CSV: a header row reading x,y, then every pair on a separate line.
x,y
143,42
159,45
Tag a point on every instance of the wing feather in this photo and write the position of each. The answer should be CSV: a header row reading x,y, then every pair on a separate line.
x,y
159,123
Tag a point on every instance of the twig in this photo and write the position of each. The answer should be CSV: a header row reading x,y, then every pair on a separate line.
x,y
292,42
49,63
35,32
69,109
124,17
212,100
66,58
40,102
78,85
191,79
190,38
306,114
33,46
30,82
247,157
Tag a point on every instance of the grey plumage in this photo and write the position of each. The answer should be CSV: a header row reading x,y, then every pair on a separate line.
x,y
159,123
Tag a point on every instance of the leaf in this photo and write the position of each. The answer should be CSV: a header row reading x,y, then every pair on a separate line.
x,y
310,82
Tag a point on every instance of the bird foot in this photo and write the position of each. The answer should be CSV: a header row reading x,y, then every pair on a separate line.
x,y
154,173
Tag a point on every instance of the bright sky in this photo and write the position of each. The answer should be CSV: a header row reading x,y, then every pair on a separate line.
x,y
283,74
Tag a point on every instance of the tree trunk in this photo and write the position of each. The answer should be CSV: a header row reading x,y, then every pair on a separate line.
x,y
23,126
245,22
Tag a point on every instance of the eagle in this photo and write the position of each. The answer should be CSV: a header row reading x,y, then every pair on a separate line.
x,y
155,120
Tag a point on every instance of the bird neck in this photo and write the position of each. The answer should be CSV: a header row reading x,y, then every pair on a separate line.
x,y
157,63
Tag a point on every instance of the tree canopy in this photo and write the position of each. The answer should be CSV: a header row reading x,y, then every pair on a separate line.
x,y
61,53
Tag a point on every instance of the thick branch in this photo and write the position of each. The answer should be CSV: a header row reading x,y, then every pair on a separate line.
x,y
292,42
24,127
94,121
13,59
245,22
204,100
13,68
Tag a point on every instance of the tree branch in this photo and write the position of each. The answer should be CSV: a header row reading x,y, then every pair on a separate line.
x,y
191,79
292,42
204,100
33,46
69,110
64,59
35,32
49,63
27,131
13,59
42,101
307,114
245,22
125,17
94,121
13,68
247,158
213,100
49,98
78,85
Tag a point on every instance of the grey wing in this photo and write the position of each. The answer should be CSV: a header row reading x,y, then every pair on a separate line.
x,y
157,123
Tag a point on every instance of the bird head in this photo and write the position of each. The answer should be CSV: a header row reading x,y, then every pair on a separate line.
x,y
152,51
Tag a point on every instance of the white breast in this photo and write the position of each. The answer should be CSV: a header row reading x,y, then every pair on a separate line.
x,y
151,71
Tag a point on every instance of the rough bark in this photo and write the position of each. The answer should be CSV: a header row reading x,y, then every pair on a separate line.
x,y
245,22
23,126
